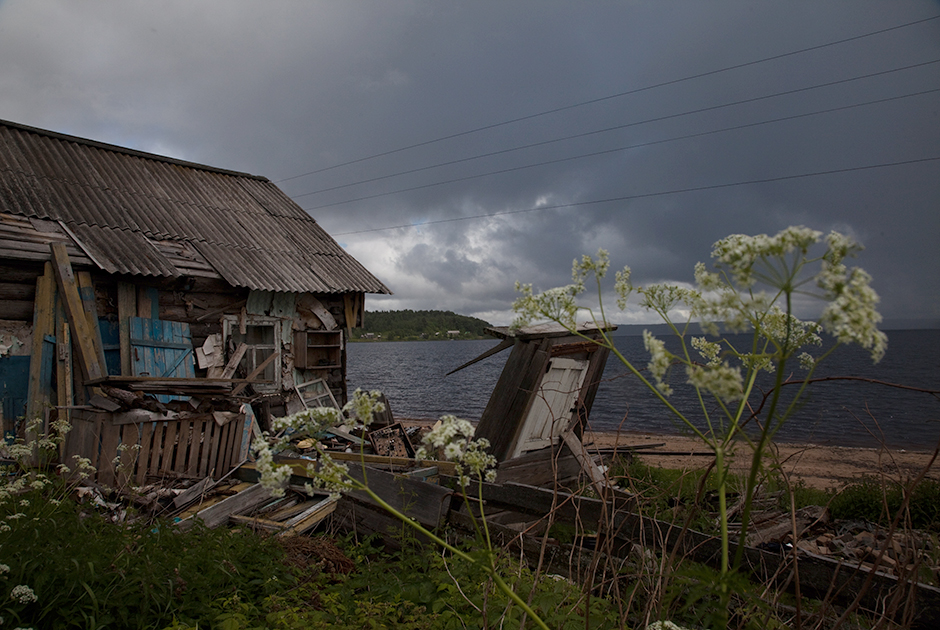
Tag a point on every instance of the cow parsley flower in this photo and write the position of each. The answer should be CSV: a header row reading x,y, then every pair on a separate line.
x,y
660,361
274,478
23,594
363,406
723,381
452,437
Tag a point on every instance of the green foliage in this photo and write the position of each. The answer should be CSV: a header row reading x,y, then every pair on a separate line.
x,y
412,325
879,500
86,571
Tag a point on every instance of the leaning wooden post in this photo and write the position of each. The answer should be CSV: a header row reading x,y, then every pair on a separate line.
x,y
82,333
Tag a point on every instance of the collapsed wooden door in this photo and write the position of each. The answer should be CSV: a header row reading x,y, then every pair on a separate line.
x,y
550,413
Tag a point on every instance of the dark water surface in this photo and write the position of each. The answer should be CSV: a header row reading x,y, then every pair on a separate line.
x,y
846,413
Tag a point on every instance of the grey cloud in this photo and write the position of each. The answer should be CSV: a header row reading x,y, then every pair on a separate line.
x,y
289,88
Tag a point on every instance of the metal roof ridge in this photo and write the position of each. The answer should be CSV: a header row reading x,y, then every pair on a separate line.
x,y
128,151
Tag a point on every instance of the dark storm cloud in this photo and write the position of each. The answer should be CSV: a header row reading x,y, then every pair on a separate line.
x,y
288,88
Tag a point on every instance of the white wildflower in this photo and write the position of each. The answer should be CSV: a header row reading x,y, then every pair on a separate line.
x,y
4,569
557,304
807,361
708,349
659,363
723,381
274,478
23,594
362,408
852,316
623,287
453,438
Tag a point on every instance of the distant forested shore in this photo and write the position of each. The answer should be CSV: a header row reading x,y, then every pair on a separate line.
x,y
408,325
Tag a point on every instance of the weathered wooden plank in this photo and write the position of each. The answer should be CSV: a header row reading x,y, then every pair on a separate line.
x,y
64,383
110,438
82,333
86,290
212,463
169,447
40,363
17,310
540,468
225,451
309,518
18,291
237,357
245,501
148,302
194,492
143,457
127,308
130,438
598,480
156,454
205,450
196,443
254,374
244,441
424,502
183,436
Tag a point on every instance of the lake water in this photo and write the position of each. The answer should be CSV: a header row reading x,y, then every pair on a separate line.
x,y
850,413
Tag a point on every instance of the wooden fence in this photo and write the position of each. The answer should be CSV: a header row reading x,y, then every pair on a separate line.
x,y
125,452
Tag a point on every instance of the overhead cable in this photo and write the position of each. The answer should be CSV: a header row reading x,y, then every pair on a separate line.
x,y
660,193
590,133
613,96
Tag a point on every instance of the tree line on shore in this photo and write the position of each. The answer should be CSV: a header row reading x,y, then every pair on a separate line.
x,y
409,325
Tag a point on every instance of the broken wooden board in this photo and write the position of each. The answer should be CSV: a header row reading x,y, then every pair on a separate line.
x,y
218,514
82,335
818,575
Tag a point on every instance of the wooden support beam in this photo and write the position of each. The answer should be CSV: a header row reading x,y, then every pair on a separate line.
x,y
127,308
598,480
64,392
41,360
81,332
86,289
148,303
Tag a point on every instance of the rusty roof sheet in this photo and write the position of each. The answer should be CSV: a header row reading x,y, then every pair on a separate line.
x,y
117,204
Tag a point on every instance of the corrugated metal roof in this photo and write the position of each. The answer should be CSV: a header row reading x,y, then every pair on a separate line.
x,y
136,213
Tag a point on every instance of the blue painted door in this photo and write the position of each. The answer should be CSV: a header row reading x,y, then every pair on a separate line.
x,y
161,349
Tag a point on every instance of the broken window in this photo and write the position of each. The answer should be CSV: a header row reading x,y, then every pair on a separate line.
x,y
262,355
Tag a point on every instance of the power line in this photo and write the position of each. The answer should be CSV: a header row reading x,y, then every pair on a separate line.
x,y
660,193
619,149
586,134
612,96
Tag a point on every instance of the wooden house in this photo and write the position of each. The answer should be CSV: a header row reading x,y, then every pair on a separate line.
x,y
127,272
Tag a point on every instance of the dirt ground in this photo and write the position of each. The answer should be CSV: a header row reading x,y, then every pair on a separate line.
x,y
818,466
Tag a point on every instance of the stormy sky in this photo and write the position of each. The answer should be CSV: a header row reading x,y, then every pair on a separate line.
x,y
457,147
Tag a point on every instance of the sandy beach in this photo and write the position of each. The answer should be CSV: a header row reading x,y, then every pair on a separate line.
x,y
822,467
817,466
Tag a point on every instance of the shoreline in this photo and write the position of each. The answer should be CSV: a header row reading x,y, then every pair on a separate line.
x,y
817,466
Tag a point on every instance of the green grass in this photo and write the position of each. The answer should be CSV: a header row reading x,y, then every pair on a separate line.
x,y
87,572
666,492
